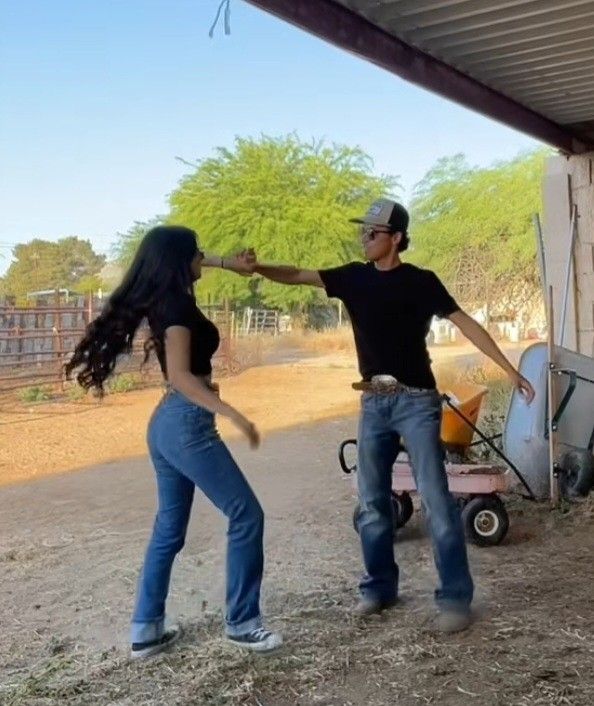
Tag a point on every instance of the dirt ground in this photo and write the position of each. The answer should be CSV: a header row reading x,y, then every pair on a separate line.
x,y
72,545
43,439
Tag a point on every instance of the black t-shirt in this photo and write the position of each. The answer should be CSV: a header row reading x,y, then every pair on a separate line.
x,y
204,336
391,311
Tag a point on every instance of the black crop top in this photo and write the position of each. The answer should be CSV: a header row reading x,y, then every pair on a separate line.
x,y
204,335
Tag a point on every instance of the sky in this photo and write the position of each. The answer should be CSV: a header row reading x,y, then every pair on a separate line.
x,y
98,99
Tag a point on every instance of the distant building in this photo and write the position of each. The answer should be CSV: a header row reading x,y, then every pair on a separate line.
x,y
50,297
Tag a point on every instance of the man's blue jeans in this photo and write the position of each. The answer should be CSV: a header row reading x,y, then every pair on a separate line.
x,y
186,451
414,418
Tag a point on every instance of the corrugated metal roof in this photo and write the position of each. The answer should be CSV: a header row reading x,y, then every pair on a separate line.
x,y
540,53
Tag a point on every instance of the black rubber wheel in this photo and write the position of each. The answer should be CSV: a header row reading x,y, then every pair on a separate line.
x,y
403,508
485,520
356,513
455,454
577,473
402,511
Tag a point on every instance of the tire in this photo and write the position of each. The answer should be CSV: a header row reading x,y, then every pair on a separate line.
x,y
356,513
485,520
455,454
577,477
402,507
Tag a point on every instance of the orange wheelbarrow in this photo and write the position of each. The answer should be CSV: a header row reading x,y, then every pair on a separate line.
x,y
476,486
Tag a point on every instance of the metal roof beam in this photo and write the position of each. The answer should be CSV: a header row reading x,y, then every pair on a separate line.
x,y
538,13
493,42
407,7
552,67
459,33
566,88
415,14
547,78
574,115
564,105
348,30
583,47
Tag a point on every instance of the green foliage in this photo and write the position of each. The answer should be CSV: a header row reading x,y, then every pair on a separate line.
x,y
35,393
126,382
461,213
127,243
88,283
289,200
41,265
75,392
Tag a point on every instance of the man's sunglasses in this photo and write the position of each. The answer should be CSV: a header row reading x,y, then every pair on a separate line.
x,y
371,232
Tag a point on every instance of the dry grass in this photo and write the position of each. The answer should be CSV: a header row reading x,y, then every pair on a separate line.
x,y
534,647
534,643
251,351
339,340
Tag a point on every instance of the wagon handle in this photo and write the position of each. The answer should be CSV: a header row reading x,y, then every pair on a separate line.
x,y
573,377
489,443
343,464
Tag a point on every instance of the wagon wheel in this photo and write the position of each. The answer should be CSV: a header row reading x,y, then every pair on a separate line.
x,y
356,513
455,453
577,477
403,508
485,520
402,511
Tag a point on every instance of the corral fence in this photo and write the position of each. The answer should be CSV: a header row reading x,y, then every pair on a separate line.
x,y
36,341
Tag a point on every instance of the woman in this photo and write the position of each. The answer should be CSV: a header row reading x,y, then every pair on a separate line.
x,y
184,444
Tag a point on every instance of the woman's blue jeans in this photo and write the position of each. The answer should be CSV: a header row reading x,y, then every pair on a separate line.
x,y
186,452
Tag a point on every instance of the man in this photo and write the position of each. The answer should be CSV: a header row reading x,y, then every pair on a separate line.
x,y
391,304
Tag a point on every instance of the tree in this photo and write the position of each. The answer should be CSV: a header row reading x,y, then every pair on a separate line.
x,y
483,217
88,284
127,243
288,199
41,264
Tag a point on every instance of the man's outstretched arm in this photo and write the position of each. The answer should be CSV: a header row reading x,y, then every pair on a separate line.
x,y
286,274
477,335
245,263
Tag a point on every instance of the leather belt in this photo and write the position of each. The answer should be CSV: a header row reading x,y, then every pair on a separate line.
x,y
382,386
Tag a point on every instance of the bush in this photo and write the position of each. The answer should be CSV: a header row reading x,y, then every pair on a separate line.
x,y
36,393
75,393
125,382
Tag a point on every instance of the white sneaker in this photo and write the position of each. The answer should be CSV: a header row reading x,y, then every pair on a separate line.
x,y
259,640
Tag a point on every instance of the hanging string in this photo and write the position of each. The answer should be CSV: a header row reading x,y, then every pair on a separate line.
x,y
227,5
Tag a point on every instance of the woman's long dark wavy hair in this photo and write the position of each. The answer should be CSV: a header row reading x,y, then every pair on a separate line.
x,y
161,266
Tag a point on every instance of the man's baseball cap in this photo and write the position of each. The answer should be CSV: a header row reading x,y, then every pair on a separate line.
x,y
384,212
